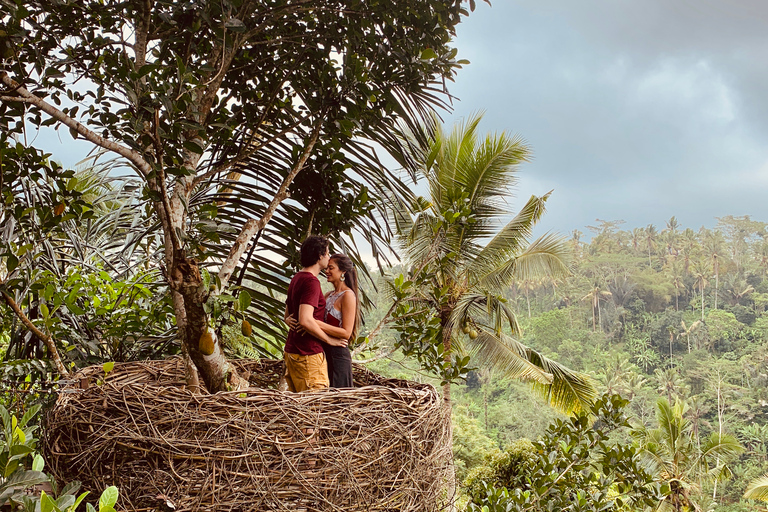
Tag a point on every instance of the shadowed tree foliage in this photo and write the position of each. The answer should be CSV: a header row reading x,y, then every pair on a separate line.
x,y
217,107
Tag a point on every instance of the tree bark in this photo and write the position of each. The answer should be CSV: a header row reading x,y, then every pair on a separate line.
x,y
217,373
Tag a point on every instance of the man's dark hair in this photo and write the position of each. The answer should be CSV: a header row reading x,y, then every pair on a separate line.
x,y
313,249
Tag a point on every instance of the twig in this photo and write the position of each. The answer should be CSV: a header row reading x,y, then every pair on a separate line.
x,y
47,339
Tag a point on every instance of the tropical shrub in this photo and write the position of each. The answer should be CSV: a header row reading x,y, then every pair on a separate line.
x,y
578,465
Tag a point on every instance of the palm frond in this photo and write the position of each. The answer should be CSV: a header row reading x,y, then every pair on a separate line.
x,y
511,238
757,489
507,357
570,391
723,446
546,256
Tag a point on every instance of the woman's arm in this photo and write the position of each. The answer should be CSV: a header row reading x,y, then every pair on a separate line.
x,y
308,322
330,330
348,313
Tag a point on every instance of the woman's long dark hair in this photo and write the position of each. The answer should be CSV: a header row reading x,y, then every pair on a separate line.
x,y
350,279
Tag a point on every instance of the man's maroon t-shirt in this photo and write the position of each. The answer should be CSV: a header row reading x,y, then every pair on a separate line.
x,y
304,289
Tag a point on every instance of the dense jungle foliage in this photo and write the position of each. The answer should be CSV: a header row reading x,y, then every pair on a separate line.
x,y
672,319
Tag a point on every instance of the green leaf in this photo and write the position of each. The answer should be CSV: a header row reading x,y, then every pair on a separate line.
x,y
47,504
24,479
11,263
6,417
244,300
29,414
79,500
429,53
20,449
193,147
65,502
108,498
38,463
108,367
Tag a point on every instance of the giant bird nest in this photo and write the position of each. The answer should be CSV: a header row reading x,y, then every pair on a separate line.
x,y
382,446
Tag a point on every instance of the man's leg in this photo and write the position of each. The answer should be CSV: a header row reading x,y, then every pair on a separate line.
x,y
295,372
317,371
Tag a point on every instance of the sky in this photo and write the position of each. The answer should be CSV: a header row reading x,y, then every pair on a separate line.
x,y
635,110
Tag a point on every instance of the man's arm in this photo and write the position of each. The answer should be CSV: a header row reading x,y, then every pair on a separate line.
x,y
308,322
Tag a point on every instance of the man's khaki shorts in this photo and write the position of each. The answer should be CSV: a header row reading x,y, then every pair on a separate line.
x,y
304,373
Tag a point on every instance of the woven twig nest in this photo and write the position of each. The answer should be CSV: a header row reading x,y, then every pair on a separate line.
x,y
380,446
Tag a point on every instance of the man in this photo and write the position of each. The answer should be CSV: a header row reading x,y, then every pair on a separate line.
x,y
305,364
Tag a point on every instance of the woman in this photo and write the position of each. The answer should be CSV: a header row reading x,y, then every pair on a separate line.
x,y
342,318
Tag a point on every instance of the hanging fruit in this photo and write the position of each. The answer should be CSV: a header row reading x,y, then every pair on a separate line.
x,y
205,344
246,328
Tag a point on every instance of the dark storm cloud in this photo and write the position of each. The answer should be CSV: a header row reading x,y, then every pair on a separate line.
x,y
635,110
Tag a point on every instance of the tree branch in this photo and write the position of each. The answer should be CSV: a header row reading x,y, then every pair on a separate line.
x,y
37,332
253,226
132,156
381,355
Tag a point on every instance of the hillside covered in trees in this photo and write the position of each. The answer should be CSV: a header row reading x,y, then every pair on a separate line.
x,y
651,313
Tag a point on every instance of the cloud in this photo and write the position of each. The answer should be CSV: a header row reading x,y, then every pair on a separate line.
x,y
629,106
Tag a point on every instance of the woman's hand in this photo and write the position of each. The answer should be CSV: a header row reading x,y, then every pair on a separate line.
x,y
337,342
293,324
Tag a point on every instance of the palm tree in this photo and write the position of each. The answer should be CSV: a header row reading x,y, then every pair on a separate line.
x,y
688,330
700,273
594,296
669,383
450,238
527,286
714,244
651,234
736,289
636,238
670,452
671,237
689,244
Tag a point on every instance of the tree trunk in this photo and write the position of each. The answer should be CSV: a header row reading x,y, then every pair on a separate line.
x,y
528,300
717,280
206,354
445,314
599,315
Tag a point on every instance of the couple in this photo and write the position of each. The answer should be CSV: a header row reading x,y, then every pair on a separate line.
x,y
316,353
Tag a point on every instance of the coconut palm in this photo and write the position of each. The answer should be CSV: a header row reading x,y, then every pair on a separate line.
x,y
651,240
714,245
595,295
700,274
687,331
670,452
468,260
